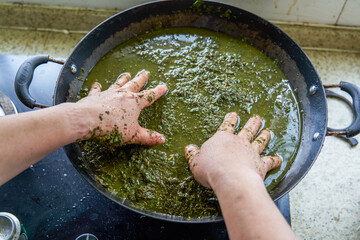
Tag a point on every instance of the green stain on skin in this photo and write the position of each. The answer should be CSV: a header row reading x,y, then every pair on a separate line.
x,y
150,98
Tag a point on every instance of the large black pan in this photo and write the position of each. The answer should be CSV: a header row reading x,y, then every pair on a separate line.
x,y
218,17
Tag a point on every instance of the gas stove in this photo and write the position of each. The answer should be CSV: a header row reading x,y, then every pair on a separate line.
x,y
53,201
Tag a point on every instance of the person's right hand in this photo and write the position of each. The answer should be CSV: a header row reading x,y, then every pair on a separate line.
x,y
226,156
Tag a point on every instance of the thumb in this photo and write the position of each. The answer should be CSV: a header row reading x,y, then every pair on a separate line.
x,y
148,137
191,154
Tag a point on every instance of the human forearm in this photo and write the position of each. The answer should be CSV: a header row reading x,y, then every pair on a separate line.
x,y
232,166
248,210
28,137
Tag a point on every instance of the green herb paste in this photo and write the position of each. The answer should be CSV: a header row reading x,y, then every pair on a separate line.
x,y
209,74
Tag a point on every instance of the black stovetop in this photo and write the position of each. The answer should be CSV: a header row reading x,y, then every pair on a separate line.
x,y
53,201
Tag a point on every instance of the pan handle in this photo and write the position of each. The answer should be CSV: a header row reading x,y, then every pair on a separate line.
x,y
354,91
24,77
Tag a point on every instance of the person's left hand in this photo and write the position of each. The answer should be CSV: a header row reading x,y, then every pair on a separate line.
x,y
119,107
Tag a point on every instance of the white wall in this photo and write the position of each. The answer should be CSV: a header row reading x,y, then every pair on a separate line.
x,y
341,12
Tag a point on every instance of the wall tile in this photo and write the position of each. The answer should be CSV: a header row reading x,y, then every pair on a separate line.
x,y
314,11
351,14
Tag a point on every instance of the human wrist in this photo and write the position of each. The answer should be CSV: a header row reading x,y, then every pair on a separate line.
x,y
78,120
240,180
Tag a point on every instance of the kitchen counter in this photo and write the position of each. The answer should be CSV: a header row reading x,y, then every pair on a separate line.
x,y
326,203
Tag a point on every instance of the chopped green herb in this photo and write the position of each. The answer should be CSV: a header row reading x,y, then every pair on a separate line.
x,y
81,75
208,75
150,98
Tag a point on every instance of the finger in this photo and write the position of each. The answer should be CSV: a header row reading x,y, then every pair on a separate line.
x,y
261,141
95,88
137,82
251,128
191,153
229,123
148,97
271,162
148,137
121,80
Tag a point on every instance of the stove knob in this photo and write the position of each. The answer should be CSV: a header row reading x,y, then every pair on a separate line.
x,y
87,236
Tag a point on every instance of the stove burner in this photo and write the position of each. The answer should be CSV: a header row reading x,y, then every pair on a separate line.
x,y
86,236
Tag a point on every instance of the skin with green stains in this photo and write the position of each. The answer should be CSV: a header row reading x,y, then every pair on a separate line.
x,y
208,75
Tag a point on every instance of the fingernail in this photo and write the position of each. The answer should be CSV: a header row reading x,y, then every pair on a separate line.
x,y
125,73
162,86
143,71
167,90
96,84
162,138
237,123
262,125
269,131
188,147
229,114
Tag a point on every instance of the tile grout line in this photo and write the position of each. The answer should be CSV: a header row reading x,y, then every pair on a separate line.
x,y
64,31
342,9
329,49
315,25
23,5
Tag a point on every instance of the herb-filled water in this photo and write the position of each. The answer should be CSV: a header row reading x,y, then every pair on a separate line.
x,y
208,75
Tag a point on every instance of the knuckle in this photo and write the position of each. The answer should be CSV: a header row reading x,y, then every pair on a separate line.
x,y
249,135
259,141
193,164
135,83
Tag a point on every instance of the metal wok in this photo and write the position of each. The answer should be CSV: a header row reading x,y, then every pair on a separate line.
x,y
214,16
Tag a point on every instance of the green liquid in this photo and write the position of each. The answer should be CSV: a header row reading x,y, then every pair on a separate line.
x,y
209,74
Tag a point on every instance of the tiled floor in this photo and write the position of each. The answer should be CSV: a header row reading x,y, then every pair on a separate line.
x,y
326,203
